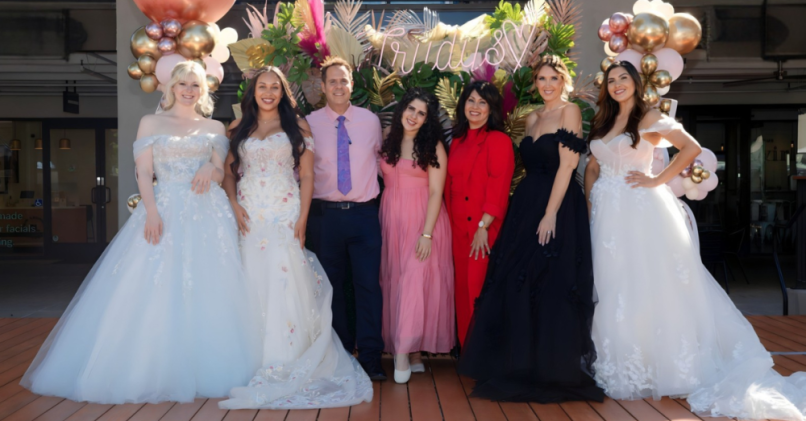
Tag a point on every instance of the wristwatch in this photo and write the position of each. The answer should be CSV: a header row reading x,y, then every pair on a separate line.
x,y
481,224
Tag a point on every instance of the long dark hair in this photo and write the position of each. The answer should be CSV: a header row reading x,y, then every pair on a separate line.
x,y
605,118
427,137
288,119
488,92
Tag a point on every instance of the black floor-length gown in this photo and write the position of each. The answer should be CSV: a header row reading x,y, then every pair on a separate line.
x,y
530,337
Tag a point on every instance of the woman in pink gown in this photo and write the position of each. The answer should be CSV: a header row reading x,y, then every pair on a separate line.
x,y
416,263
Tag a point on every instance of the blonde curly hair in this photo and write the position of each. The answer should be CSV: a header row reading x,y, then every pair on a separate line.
x,y
204,105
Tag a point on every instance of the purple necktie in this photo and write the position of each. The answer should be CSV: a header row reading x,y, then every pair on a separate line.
x,y
343,150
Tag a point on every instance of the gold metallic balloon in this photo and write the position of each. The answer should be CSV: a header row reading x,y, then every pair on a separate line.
x,y
135,72
661,79
685,33
697,170
606,63
142,44
705,174
133,201
648,32
196,40
212,83
147,64
148,83
651,94
696,179
598,81
666,106
200,62
649,63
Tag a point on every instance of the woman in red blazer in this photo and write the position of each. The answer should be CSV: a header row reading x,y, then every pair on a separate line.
x,y
480,167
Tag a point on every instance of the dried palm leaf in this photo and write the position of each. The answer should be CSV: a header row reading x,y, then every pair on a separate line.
x,y
448,94
584,89
565,12
344,44
381,94
515,124
347,17
534,11
250,53
257,21
500,79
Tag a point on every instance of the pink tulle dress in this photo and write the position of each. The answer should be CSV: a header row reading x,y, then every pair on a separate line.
x,y
418,301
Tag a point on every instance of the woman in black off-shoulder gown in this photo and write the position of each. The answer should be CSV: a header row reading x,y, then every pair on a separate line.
x,y
530,337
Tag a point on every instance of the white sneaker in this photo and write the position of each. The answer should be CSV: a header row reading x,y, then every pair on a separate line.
x,y
402,376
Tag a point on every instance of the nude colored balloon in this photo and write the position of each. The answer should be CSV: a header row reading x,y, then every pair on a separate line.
x,y
676,184
214,68
671,61
632,56
166,65
185,10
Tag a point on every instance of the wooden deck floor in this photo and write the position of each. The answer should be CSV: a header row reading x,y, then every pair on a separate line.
x,y
438,394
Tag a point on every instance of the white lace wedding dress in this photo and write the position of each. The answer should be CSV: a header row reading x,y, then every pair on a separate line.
x,y
663,326
165,322
305,364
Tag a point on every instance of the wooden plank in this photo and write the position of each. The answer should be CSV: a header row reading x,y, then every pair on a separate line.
x,y
15,323
785,325
14,362
271,415
789,321
787,363
10,389
34,409
517,411
580,411
152,411
671,410
549,412
394,397
610,410
423,395
20,329
184,411
90,412
684,404
210,411
242,415
482,408
451,393
302,415
24,344
368,411
786,338
14,403
62,411
17,371
121,412
334,414
6,320
641,410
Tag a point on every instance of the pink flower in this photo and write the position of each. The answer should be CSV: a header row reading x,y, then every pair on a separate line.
x,y
285,200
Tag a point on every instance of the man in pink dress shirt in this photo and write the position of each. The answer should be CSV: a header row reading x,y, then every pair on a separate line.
x,y
343,223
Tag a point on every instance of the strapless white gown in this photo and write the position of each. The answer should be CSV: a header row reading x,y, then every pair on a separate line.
x,y
663,326
165,322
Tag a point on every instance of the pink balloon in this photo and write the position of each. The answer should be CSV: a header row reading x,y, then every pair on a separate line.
x,y
671,61
702,195
632,56
214,68
167,46
619,23
676,184
605,33
154,31
165,65
708,160
618,43
710,183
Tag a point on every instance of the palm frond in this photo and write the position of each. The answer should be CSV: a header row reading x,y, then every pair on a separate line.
x,y
448,95
250,53
534,11
347,17
566,12
515,124
381,94
345,45
584,89
257,21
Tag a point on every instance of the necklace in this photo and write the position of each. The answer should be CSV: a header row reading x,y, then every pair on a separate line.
x,y
553,109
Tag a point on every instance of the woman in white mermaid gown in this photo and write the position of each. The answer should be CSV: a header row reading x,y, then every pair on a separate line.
x,y
663,326
305,364
163,316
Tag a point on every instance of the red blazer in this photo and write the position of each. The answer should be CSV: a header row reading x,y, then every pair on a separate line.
x,y
487,182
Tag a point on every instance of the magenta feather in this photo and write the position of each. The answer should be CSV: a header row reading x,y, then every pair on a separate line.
x,y
312,40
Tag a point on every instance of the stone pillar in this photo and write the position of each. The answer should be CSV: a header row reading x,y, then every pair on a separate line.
x,y
133,103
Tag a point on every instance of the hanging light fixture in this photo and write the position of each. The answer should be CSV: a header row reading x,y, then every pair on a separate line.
x,y
38,143
15,145
64,142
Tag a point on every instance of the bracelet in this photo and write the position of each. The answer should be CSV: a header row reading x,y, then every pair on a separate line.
x,y
428,236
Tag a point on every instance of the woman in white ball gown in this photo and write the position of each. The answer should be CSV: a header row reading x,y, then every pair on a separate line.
x,y
305,364
663,326
164,315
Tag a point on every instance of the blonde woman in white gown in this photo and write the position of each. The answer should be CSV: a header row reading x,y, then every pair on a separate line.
x,y
663,326
304,363
164,315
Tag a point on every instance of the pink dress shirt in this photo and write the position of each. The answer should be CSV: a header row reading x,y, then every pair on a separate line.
x,y
364,129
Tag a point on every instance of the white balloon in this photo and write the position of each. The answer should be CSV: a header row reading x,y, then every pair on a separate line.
x,y
692,194
688,184
657,7
671,61
710,183
702,195
664,91
676,184
228,36
220,53
608,51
